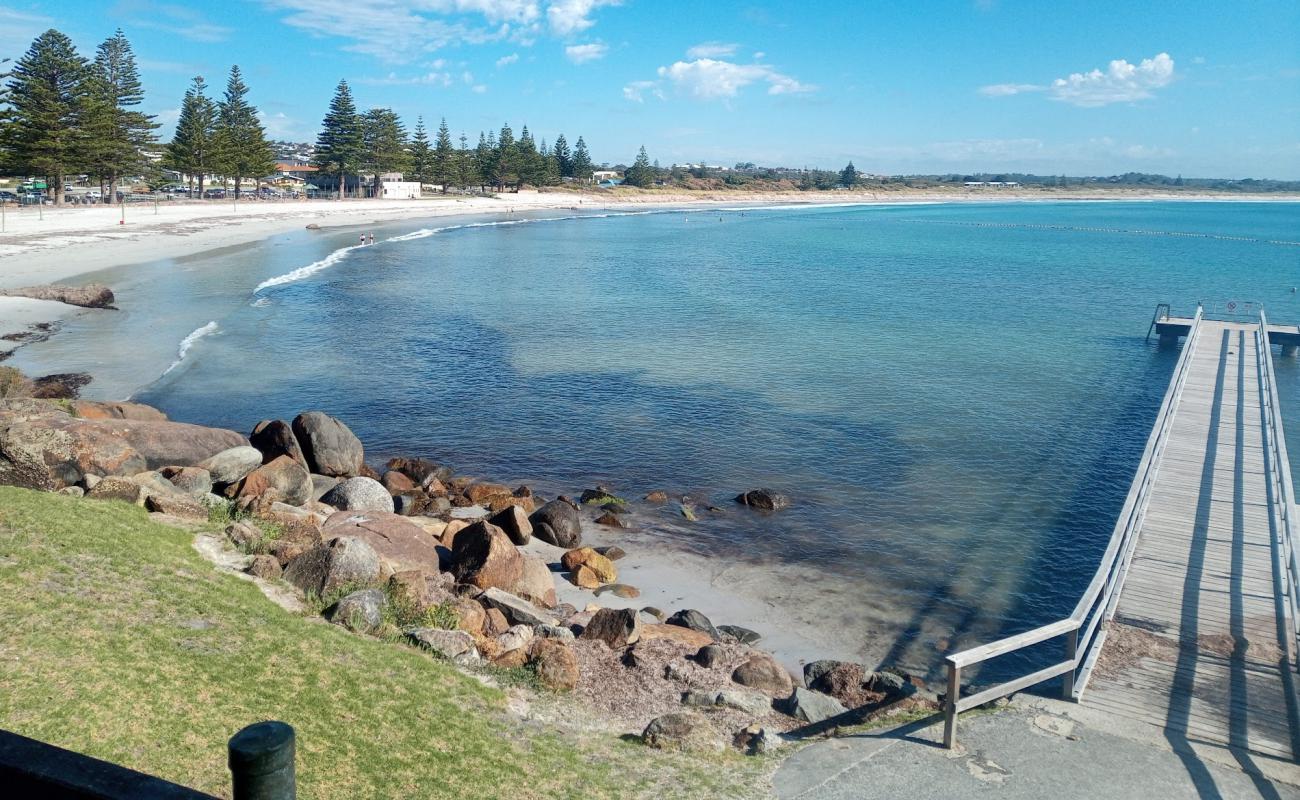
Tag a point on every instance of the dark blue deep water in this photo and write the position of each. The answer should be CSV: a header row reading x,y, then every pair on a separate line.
x,y
956,395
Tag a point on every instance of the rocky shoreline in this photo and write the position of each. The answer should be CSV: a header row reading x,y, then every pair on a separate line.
x,y
464,568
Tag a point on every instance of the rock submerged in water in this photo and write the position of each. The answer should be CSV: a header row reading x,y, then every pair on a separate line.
x,y
764,500
557,523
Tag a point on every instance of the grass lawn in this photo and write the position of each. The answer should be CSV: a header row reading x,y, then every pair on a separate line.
x,y
118,640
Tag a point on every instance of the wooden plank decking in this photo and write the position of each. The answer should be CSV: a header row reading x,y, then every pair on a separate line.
x,y
1197,646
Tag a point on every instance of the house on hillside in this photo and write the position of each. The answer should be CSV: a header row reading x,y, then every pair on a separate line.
x,y
602,175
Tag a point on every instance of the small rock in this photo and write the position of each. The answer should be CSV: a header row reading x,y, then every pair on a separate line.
x,y
584,578
699,697
764,500
494,622
176,504
690,618
756,740
397,482
556,664
449,644
536,583
657,497
683,731
610,520
653,612
115,488
742,635
616,627
688,513
612,552
553,632
194,481
515,637
73,491
265,567
599,497
710,655
602,567
813,707
623,590
751,703
762,672
360,612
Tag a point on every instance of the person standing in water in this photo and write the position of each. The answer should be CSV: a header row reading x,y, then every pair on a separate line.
x,y
372,238
363,240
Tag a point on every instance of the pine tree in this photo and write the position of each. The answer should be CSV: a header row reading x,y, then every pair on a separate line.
x,y
464,164
444,155
550,166
640,174
191,148
563,158
48,93
581,162
848,175
421,156
485,160
242,148
506,164
339,147
530,165
385,144
116,135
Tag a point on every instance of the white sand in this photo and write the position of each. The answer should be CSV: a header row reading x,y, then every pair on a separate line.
x,y
19,314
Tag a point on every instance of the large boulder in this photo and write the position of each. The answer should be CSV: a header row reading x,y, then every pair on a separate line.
x,y
362,612
557,523
616,627
683,731
400,542
51,452
118,488
329,446
483,556
763,500
602,569
274,438
762,672
536,583
514,522
280,479
843,680
329,567
91,409
360,494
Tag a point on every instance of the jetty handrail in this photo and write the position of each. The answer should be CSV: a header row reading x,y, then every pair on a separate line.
x,y
1082,628
1279,476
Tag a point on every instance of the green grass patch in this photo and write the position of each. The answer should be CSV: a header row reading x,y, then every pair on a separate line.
x,y
120,641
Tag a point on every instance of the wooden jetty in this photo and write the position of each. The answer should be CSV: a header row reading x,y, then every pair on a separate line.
x,y
1189,622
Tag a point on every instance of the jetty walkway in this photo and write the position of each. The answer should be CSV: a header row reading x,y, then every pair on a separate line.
x,y
1189,623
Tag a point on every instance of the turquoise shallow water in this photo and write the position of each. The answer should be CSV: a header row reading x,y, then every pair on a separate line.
x,y
956,395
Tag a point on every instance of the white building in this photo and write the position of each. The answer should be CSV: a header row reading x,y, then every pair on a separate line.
x,y
399,190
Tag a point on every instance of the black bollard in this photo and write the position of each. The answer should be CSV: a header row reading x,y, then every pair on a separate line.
x,y
261,762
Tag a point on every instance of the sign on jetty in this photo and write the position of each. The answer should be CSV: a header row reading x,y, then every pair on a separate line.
x,y
1190,621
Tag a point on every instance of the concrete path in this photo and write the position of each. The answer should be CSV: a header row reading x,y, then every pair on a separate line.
x,y
1035,748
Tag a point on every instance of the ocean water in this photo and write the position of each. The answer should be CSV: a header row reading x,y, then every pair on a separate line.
x,y
956,396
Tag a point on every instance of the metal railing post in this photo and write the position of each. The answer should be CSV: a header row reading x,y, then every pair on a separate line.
x,y
1071,654
950,706
261,762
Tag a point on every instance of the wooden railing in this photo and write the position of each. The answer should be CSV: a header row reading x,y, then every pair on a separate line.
x,y
1083,630
1279,477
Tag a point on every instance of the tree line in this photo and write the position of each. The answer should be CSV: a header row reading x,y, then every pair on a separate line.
x,y
352,143
62,114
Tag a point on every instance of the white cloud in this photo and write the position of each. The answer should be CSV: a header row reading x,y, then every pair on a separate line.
x,y
1008,89
18,29
479,89
713,50
636,90
582,53
568,17
400,30
175,19
1121,82
505,61
710,79
435,78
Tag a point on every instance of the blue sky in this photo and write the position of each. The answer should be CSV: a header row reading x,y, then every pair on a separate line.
x,y
1189,87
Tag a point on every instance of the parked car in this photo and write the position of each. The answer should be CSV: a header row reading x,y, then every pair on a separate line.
x,y
8,197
